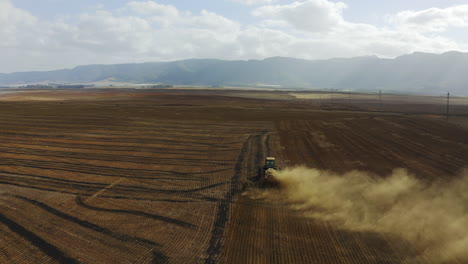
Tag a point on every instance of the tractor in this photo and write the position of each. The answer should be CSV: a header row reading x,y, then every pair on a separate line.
x,y
266,174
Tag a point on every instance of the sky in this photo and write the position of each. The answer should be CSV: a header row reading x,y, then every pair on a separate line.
x,y
54,34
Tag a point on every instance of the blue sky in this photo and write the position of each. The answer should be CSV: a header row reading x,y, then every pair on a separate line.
x,y
51,34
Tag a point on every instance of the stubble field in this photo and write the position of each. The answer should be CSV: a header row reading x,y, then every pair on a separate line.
x,y
103,176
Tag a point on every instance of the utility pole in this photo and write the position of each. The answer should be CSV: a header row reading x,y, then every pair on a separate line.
x,y
448,104
380,98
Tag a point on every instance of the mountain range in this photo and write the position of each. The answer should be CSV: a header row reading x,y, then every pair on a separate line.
x,y
421,73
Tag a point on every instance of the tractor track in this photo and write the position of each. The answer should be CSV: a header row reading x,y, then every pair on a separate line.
x,y
42,158
223,208
79,201
152,180
37,241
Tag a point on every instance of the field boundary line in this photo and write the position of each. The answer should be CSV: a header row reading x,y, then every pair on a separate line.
x,y
92,197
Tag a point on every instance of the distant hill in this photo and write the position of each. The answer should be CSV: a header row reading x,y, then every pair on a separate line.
x,y
415,73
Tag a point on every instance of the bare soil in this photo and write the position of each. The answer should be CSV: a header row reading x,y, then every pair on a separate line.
x,y
154,176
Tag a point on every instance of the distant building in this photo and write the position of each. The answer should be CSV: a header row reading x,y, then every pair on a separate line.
x,y
38,86
54,86
159,86
75,86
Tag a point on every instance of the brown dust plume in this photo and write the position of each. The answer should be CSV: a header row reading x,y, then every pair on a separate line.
x,y
433,217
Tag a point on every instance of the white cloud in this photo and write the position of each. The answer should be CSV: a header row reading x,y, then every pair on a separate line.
x,y
9,14
14,23
148,31
164,33
310,15
153,8
252,2
433,19
320,25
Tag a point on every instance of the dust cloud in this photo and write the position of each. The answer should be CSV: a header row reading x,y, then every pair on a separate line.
x,y
433,217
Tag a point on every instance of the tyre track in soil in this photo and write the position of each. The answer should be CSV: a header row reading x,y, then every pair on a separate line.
x,y
223,211
128,147
89,140
41,173
103,157
93,187
47,248
181,223
96,228
269,233
93,169
262,232
118,197
252,235
92,234
158,256
109,149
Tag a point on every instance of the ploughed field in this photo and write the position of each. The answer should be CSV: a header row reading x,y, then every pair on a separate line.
x,y
104,176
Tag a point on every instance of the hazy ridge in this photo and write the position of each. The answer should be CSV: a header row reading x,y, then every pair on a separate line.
x,y
416,73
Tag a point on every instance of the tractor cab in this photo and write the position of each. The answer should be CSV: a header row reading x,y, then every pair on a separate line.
x,y
266,174
270,163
